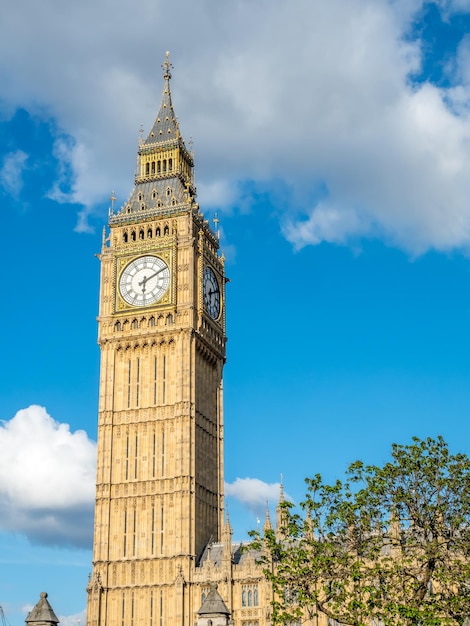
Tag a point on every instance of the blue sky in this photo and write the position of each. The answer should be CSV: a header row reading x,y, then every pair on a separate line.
x,y
333,139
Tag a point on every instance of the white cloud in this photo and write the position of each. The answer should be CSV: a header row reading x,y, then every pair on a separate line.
x,y
11,172
73,620
253,493
47,479
332,108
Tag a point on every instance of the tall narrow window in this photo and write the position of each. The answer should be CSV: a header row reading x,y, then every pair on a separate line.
x,y
152,533
164,165
161,531
153,167
127,457
255,596
137,383
134,528
123,609
125,534
151,608
161,608
164,381
147,169
136,455
132,609
154,454
154,377
170,164
163,454
129,385
159,167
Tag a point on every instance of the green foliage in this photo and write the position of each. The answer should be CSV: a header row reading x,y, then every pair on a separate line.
x,y
389,544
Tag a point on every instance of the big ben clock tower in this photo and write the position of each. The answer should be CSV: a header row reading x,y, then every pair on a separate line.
x,y
159,494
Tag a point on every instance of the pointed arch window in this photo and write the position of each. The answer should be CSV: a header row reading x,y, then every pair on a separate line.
x,y
153,167
125,237
147,169
133,235
159,167
170,165
149,233
166,231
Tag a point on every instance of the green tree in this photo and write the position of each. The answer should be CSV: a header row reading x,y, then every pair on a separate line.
x,y
387,545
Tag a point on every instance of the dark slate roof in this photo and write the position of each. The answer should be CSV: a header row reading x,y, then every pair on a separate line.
x,y
42,612
167,191
213,604
165,127
240,552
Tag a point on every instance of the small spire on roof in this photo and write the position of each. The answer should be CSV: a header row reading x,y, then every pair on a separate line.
x,y
267,519
281,489
216,224
280,510
227,524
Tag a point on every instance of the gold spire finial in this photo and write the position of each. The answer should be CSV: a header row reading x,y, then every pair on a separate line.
x,y
113,200
166,66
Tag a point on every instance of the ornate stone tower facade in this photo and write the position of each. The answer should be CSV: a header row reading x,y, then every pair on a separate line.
x,y
159,494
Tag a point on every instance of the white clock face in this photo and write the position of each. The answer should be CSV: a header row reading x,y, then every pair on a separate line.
x,y
211,293
144,281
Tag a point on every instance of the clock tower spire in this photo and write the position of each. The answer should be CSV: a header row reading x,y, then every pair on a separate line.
x,y
161,332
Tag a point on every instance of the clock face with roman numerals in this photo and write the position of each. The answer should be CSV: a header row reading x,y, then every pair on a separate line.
x,y
211,292
144,281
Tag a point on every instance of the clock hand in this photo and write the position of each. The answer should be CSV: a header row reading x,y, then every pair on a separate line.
x,y
146,278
